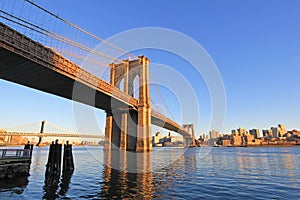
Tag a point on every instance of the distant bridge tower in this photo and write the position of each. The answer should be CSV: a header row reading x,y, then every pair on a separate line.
x,y
127,129
42,131
189,141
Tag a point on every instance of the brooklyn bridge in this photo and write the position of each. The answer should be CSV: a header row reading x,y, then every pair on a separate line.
x,y
28,56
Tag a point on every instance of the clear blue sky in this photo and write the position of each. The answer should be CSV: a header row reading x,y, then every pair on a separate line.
x,y
255,45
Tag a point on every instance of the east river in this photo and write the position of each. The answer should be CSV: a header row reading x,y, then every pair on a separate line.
x,y
166,173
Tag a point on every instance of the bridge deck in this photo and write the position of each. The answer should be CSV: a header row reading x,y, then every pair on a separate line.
x,y
29,63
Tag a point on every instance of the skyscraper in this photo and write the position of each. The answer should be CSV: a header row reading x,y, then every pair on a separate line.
x,y
274,132
281,129
255,132
242,131
214,134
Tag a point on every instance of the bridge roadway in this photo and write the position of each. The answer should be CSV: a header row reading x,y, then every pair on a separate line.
x,y
31,64
51,134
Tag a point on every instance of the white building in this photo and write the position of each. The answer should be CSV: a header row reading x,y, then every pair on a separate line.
x,y
214,134
157,138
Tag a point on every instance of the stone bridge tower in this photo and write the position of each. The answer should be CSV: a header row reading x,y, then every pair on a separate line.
x,y
126,128
189,141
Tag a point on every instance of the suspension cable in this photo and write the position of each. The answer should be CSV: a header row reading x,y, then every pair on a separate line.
x,y
21,126
58,127
79,57
82,30
56,36
161,96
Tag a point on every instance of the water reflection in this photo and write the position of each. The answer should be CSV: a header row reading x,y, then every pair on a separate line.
x,y
52,183
127,175
269,173
289,164
16,185
66,179
271,162
131,175
51,186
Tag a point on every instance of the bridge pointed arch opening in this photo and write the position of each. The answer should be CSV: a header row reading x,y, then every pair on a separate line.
x,y
136,88
121,85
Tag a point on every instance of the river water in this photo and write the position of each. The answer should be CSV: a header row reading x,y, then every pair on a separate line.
x,y
166,173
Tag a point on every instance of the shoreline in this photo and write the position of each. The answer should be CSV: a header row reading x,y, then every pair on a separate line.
x,y
256,146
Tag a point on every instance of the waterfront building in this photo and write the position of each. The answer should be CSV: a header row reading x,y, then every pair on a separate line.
x,y
255,132
2,139
16,140
256,142
242,131
295,132
214,134
226,143
278,131
274,132
5,139
234,132
266,133
281,129
250,138
176,139
239,132
238,140
25,140
205,137
157,139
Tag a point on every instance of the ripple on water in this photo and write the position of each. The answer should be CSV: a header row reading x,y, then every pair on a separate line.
x,y
232,173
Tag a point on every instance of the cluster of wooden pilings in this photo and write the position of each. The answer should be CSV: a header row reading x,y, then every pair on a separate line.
x,y
53,167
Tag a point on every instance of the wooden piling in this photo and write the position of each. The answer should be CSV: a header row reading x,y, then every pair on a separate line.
x,y
53,166
68,162
30,148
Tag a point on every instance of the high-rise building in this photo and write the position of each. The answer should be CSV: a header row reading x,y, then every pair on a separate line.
x,y
156,139
239,140
214,134
281,129
255,132
234,132
242,131
175,139
266,133
274,132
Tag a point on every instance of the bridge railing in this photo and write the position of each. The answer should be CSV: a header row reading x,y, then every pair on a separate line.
x,y
14,153
166,120
36,52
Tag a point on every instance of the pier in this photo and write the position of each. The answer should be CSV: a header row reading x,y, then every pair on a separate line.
x,y
15,162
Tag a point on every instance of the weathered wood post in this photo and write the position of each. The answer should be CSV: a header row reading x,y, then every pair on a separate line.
x,y
53,170
53,166
68,162
68,168
31,148
28,147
